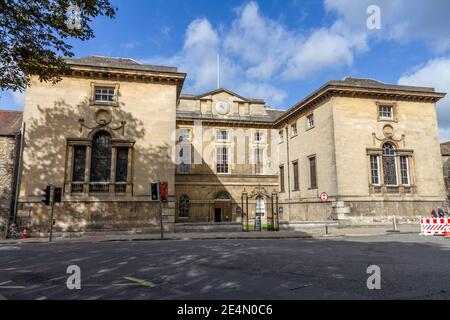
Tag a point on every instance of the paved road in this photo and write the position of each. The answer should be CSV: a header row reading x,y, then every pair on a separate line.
x,y
412,267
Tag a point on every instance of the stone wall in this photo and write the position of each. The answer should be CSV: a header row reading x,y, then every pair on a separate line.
x,y
7,159
82,217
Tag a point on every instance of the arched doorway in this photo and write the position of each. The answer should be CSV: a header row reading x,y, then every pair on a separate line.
x,y
222,207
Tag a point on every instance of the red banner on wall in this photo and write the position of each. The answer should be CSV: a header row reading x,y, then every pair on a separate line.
x,y
164,191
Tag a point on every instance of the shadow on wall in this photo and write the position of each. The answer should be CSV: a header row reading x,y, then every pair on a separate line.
x,y
46,161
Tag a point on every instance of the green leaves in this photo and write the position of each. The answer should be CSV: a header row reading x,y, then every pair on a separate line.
x,y
33,37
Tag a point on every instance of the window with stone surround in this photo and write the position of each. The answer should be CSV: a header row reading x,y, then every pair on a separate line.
x,y
386,111
310,121
294,129
375,170
222,159
390,168
389,165
259,161
313,172
105,163
296,176
79,163
282,179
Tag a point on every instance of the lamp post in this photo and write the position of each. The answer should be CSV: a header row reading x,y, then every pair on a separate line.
x,y
245,195
274,210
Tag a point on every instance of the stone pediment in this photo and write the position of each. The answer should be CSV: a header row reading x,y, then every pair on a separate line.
x,y
221,94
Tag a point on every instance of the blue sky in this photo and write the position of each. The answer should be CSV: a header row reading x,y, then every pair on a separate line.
x,y
280,50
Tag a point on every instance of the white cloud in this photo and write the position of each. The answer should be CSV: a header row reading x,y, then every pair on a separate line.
x,y
402,20
435,73
255,49
323,49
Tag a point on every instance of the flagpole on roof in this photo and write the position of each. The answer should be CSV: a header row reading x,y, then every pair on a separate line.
x,y
218,70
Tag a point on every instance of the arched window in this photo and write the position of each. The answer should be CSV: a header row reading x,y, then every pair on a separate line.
x,y
183,207
101,157
389,165
222,195
260,206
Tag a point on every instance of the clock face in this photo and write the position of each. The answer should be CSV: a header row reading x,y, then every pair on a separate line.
x,y
222,107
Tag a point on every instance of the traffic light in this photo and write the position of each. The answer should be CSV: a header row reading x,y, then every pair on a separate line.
x,y
46,195
154,191
58,195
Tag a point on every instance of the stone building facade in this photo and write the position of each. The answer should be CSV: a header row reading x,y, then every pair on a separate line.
x,y
445,152
10,124
113,125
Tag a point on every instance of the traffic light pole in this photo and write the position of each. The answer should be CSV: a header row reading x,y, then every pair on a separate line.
x,y
161,218
52,202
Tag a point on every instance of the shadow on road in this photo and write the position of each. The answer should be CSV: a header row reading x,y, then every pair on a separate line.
x,y
411,268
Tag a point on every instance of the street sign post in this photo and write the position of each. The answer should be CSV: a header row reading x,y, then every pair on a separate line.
x,y
324,199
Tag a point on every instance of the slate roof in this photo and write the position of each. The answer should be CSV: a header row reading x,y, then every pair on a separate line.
x,y
369,83
118,63
10,122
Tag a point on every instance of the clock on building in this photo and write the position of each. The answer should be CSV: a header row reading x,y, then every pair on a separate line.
x,y
222,107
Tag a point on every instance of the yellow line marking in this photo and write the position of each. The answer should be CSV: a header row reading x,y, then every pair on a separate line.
x,y
142,282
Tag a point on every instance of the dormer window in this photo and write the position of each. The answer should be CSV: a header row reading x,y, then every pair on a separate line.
x,y
104,94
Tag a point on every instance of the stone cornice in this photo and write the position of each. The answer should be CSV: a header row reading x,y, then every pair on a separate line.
x,y
226,122
326,92
123,74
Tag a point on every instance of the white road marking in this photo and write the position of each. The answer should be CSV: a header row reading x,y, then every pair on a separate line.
x,y
9,248
42,298
3,283
2,297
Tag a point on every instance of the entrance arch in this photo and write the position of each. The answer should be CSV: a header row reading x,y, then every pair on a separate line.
x,y
222,207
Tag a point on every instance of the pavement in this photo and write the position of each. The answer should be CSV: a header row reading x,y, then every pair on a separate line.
x,y
306,233
410,267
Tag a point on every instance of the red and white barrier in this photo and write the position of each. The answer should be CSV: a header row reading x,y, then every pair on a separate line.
x,y
434,226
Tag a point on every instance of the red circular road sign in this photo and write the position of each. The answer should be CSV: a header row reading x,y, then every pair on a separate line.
x,y
324,197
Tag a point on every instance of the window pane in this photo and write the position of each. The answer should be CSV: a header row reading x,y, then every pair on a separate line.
x,y
185,159
104,94
294,129
386,112
375,171
313,173
390,172
281,178
296,182
222,160
404,166
101,158
259,137
222,135
122,165
79,163
259,161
